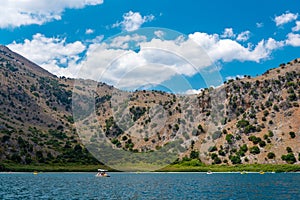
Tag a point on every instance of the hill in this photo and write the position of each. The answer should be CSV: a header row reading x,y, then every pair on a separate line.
x,y
248,120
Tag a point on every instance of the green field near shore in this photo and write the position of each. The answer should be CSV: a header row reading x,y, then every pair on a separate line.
x,y
187,166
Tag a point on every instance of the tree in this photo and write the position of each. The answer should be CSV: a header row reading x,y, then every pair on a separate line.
x,y
271,155
292,134
289,149
194,155
235,159
289,158
254,150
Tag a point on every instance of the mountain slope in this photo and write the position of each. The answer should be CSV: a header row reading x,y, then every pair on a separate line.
x,y
249,120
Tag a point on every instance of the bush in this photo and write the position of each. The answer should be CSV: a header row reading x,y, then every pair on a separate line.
x,y
262,143
194,155
289,158
212,149
271,155
242,123
292,134
289,150
254,150
221,153
244,148
271,134
229,138
254,139
217,160
235,159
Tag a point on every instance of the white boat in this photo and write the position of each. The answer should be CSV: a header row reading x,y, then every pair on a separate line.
x,y
209,172
102,173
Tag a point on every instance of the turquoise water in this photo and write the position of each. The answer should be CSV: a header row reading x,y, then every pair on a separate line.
x,y
150,186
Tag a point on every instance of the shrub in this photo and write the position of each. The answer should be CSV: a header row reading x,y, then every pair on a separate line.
x,y
229,138
292,134
212,149
289,150
254,150
254,139
271,134
262,143
221,153
244,148
217,160
242,123
271,155
289,158
194,155
235,159
250,129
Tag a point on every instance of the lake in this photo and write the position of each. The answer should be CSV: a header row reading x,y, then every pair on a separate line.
x,y
150,186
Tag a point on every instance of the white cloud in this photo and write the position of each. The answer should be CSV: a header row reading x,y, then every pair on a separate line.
x,y
51,53
244,36
297,27
228,33
234,77
293,39
193,91
259,24
123,42
228,50
285,18
133,21
156,61
15,13
89,31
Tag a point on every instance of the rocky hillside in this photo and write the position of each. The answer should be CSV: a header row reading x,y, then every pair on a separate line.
x,y
249,120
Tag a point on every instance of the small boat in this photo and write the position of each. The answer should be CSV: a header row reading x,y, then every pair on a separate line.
x,y
243,172
102,173
209,172
35,173
261,172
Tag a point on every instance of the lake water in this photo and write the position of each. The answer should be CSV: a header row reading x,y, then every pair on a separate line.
x,y
150,186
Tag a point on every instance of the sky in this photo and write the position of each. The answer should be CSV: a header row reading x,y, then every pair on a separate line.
x,y
172,45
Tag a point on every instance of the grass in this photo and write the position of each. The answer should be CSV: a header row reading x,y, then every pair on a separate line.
x,y
197,166
184,166
71,167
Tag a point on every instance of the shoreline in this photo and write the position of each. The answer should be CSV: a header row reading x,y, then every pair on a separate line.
x,y
175,168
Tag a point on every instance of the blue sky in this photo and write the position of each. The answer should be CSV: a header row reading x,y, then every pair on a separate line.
x,y
69,37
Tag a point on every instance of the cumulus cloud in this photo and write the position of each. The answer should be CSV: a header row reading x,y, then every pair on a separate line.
x,y
293,39
193,91
115,62
53,54
243,36
133,21
15,13
297,27
234,77
285,18
228,50
228,33
89,31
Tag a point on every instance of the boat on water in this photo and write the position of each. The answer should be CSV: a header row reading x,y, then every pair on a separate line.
x,y
35,172
102,173
261,172
209,172
243,172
